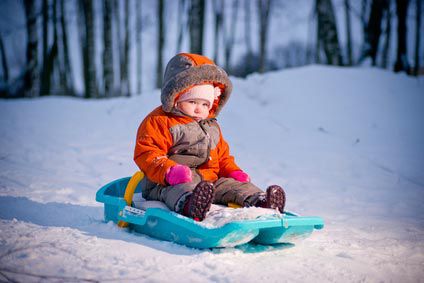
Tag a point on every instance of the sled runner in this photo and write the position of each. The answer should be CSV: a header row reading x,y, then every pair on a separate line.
x,y
167,225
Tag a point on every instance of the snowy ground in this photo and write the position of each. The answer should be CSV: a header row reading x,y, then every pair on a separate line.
x,y
347,145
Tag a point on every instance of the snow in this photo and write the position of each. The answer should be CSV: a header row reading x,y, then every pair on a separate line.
x,y
347,144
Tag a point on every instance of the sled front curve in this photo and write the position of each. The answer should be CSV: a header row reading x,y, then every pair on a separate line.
x,y
170,226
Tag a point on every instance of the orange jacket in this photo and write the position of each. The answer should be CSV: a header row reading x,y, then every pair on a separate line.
x,y
155,140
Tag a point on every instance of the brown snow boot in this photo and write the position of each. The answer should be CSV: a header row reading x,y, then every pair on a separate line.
x,y
200,201
274,198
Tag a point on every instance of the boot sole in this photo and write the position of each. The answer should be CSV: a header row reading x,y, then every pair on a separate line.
x,y
201,200
276,197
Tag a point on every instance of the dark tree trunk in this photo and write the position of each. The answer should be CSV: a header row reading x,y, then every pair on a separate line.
x,y
230,36
373,31
182,23
89,51
46,70
348,32
67,76
247,37
125,62
4,64
218,10
327,29
264,7
139,46
197,15
107,51
45,13
402,63
31,80
119,52
161,41
417,37
388,32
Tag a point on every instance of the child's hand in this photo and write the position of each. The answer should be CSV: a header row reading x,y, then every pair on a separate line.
x,y
178,174
240,176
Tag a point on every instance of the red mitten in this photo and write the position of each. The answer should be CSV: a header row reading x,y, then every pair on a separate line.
x,y
178,174
239,176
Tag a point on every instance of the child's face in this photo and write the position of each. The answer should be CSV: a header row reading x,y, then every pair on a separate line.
x,y
196,108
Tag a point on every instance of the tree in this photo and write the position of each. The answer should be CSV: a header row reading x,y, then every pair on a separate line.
x,y
125,82
139,45
117,15
373,31
107,48
161,41
196,19
402,63
4,64
218,7
182,22
388,32
264,7
66,77
348,32
327,32
417,36
229,35
247,35
31,78
49,54
89,67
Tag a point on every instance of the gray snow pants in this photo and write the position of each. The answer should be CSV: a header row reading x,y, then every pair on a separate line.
x,y
226,190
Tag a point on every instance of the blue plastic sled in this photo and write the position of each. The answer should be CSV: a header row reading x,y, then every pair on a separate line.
x,y
170,226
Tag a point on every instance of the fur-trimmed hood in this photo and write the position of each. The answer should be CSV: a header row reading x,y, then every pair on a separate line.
x,y
186,70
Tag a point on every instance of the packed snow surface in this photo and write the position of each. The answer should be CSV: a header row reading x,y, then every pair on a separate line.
x,y
346,144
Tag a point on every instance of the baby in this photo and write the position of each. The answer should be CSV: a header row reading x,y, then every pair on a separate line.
x,y
181,149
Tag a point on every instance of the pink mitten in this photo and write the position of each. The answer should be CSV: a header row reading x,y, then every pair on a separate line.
x,y
239,176
178,174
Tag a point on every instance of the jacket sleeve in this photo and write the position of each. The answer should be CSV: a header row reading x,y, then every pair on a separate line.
x,y
226,161
151,148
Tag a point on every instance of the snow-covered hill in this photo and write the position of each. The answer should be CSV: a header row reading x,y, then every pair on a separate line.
x,y
347,145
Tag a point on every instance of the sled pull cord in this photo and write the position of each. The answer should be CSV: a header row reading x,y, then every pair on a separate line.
x,y
129,192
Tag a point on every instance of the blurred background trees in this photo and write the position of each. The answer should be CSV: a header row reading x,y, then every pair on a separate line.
x,y
114,56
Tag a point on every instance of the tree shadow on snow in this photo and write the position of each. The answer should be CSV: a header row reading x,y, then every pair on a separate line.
x,y
87,219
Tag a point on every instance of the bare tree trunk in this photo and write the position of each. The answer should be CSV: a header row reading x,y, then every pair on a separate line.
x,y
125,62
117,14
197,15
139,46
89,52
373,31
181,22
348,32
45,76
31,81
417,37
247,36
161,41
230,36
45,13
402,63
364,4
4,64
66,77
107,51
264,7
327,29
318,40
218,6
385,55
